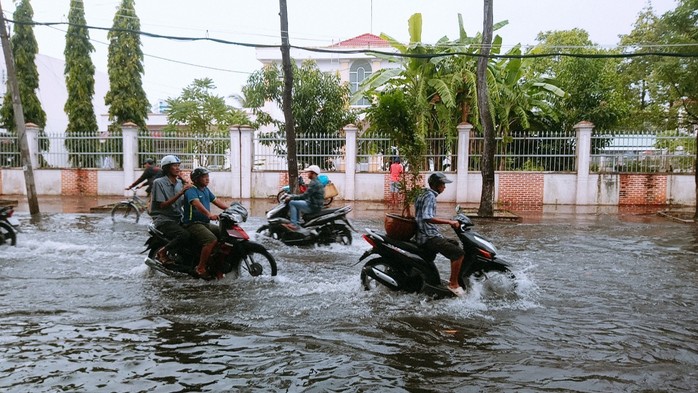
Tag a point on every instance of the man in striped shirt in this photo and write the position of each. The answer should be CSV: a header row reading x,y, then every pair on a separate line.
x,y
428,234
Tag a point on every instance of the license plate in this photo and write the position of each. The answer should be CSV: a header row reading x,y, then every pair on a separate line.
x,y
13,221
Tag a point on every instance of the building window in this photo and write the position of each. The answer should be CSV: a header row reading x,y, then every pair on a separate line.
x,y
359,71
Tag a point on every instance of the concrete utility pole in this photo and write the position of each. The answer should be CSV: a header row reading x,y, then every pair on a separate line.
x,y
287,102
19,117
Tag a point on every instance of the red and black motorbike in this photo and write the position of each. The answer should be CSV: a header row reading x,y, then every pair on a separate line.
x,y
234,253
8,226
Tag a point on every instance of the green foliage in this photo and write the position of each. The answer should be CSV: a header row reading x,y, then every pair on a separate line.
x,y
80,83
320,107
24,50
126,98
204,114
593,89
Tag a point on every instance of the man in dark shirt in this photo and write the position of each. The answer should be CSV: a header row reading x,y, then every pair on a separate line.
x,y
311,201
150,173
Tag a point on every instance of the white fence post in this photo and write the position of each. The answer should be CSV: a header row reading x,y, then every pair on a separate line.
x,y
32,131
463,160
129,133
246,158
350,162
234,158
583,130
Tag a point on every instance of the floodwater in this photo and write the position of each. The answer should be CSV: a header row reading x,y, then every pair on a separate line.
x,y
602,303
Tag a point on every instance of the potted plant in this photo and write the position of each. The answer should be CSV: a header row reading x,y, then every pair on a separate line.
x,y
393,112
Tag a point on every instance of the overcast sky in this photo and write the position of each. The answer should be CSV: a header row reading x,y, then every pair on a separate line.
x,y
311,23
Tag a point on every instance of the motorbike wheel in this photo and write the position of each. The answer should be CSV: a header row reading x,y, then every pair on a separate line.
x,y
257,261
381,266
342,235
281,195
7,236
480,274
124,211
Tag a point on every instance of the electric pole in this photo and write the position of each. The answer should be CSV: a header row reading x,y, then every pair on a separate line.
x,y
287,102
19,117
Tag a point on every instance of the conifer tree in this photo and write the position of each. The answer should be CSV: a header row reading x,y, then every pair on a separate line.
x,y
126,98
80,82
24,50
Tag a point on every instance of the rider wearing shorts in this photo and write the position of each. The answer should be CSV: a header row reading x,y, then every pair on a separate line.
x,y
428,234
198,216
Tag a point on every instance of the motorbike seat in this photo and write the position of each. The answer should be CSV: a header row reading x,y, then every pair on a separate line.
x,y
412,248
310,216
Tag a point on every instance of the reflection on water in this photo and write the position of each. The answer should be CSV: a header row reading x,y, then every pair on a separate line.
x,y
600,304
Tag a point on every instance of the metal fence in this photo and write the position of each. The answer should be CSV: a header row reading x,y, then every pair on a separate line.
x,y
528,151
9,150
519,151
645,152
211,150
324,150
81,150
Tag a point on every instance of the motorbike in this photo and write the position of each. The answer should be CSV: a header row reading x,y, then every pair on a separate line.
x,y
405,266
8,226
324,227
234,253
302,187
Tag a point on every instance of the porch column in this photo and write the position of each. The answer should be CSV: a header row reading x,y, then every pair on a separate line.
x,y
129,133
463,160
583,130
350,162
32,131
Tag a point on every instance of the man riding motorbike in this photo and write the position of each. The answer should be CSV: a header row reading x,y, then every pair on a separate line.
x,y
428,235
166,207
198,216
311,201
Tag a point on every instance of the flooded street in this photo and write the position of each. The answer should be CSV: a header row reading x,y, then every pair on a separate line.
x,y
601,303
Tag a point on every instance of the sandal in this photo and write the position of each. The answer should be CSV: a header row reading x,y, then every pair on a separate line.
x,y
458,291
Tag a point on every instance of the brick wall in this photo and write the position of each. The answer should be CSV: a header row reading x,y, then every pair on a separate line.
x,y
79,182
520,189
636,189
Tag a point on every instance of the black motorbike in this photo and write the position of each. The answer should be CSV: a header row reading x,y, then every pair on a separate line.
x,y
8,226
404,266
324,227
234,253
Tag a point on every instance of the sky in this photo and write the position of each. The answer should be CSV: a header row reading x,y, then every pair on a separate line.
x,y
172,65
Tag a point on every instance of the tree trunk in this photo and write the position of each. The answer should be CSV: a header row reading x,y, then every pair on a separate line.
x,y
483,103
287,100
13,85
695,173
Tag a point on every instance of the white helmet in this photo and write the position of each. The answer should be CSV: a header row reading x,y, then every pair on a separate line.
x,y
168,160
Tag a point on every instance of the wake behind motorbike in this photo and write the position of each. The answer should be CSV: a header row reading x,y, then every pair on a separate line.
x,y
324,227
405,266
8,226
234,253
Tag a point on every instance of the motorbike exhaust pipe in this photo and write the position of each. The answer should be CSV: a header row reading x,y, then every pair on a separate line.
x,y
379,275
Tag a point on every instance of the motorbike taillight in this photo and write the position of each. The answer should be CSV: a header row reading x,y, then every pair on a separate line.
x,y
484,253
369,240
238,233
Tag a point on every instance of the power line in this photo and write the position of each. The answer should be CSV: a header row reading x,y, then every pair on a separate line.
x,y
373,51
